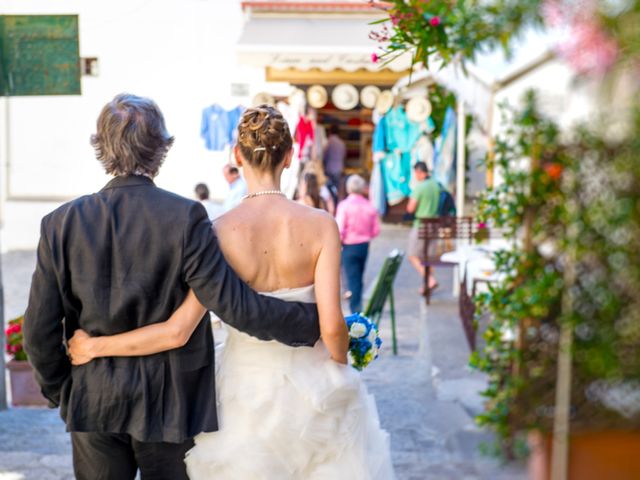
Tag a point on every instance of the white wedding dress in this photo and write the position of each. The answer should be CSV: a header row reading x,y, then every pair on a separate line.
x,y
290,414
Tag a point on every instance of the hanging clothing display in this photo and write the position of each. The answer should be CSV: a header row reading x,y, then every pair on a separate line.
x,y
218,126
445,152
320,141
396,135
214,128
376,189
234,119
305,135
423,151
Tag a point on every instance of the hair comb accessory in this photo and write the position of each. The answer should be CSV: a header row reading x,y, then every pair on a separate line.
x,y
259,149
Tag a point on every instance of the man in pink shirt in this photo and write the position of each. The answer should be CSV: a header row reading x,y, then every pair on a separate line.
x,y
358,224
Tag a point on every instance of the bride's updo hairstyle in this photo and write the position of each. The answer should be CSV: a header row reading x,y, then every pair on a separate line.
x,y
263,137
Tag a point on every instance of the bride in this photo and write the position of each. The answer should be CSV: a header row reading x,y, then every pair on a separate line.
x,y
285,413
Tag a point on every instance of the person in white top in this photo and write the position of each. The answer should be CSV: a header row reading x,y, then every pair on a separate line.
x,y
214,210
237,187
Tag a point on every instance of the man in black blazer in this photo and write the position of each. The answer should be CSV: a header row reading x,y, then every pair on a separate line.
x,y
123,258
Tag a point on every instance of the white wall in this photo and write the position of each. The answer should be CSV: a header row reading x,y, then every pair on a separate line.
x,y
181,53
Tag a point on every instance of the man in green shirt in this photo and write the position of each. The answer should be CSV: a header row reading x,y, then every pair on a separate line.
x,y
423,203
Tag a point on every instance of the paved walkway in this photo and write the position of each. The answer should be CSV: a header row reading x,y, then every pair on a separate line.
x,y
426,395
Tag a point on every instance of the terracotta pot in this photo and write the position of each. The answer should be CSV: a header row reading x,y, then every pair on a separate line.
x,y
25,391
610,455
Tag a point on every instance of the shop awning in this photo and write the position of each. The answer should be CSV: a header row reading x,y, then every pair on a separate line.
x,y
324,44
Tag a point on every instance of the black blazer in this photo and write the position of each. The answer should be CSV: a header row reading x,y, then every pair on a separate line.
x,y
123,258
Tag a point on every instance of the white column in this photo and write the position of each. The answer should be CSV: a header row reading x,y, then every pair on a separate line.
x,y
461,141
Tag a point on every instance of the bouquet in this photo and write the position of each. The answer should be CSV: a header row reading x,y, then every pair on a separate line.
x,y
364,341
14,339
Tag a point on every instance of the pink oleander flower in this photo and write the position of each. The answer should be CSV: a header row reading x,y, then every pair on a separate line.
x,y
482,225
394,20
435,21
589,50
374,57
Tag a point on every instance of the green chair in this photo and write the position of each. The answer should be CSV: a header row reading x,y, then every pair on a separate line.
x,y
383,289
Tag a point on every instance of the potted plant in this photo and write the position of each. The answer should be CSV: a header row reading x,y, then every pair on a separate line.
x,y
24,388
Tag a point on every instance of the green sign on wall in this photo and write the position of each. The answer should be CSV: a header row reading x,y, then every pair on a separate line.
x,y
39,55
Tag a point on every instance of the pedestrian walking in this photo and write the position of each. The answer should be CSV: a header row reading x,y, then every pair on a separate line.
x,y
358,224
423,203
214,210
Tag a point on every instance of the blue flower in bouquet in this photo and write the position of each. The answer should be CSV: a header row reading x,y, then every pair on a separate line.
x,y
364,341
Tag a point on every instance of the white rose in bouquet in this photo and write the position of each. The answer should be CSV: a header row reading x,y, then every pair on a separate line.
x,y
358,330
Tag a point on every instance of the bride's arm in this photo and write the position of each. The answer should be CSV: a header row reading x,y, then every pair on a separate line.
x,y
333,329
159,337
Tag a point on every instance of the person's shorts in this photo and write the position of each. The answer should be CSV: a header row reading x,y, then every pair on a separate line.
x,y
415,247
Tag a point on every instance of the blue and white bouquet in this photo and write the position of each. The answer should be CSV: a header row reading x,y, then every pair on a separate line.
x,y
364,341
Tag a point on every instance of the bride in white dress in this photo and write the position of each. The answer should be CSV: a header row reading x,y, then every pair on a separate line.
x,y
284,412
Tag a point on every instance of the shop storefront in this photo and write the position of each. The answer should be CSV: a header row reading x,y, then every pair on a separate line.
x,y
324,51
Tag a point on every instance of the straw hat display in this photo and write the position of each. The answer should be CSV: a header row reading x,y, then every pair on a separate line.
x,y
369,96
385,101
317,96
418,109
345,96
263,98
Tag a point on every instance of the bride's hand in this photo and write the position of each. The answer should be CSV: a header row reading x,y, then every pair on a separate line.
x,y
81,347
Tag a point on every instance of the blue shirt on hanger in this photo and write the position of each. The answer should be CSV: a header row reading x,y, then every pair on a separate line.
x,y
214,128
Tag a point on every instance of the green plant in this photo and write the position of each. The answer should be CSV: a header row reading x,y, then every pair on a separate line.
x,y
14,339
569,204
573,201
527,300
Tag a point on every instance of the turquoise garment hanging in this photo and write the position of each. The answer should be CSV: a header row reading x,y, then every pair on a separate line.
x,y
401,133
396,172
395,134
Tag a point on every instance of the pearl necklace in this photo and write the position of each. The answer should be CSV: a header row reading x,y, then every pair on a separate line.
x,y
264,192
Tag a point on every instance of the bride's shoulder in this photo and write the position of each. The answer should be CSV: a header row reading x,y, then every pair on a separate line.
x,y
315,216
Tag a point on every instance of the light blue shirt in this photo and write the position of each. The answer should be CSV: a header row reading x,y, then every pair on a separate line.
x,y
237,190
219,126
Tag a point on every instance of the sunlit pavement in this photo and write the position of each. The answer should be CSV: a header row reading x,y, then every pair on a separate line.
x,y
426,395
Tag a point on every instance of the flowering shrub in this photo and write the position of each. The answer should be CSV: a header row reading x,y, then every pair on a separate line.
x,y
449,28
14,339
600,33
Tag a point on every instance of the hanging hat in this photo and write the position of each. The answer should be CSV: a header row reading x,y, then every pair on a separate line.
x,y
263,98
384,102
418,109
369,96
317,96
297,96
345,96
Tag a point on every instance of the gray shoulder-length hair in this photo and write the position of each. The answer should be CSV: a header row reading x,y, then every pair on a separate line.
x,y
131,137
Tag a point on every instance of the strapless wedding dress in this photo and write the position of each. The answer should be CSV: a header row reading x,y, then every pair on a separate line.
x,y
290,414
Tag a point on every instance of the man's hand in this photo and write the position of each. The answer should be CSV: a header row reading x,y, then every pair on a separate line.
x,y
82,347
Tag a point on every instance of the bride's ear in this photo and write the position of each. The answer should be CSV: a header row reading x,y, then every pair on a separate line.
x,y
287,158
237,155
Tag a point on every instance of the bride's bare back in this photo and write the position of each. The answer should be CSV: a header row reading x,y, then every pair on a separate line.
x,y
274,243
